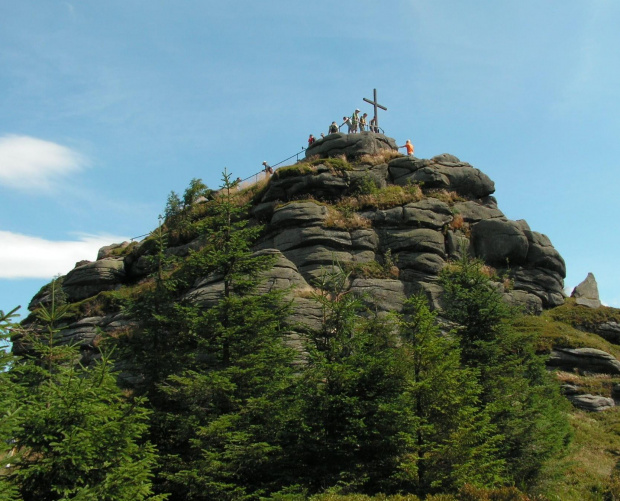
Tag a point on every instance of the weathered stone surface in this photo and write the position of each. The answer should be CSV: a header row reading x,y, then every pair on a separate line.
x,y
527,302
385,294
421,236
298,214
586,293
401,168
456,242
472,212
425,262
429,213
365,239
351,145
206,293
323,185
468,181
541,254
92,278
385,217
377,173
139,267
293,238
591,403
83,332
429,176
588,360
413,240
446,159
499,242
108,250
609,331
284,274
442,172
546,284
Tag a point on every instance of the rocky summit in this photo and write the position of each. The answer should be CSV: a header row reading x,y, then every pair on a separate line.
x,y
393,221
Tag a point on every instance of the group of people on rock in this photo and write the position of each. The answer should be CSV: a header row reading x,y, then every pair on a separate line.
x,y
408,146
355,123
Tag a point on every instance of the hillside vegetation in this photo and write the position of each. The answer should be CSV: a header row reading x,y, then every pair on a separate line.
x,y
237,401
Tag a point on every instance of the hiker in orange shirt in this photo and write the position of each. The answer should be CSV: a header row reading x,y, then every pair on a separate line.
x,y
409,147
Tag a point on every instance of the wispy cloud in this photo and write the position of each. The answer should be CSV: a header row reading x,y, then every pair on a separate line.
x,y
23,256
28,163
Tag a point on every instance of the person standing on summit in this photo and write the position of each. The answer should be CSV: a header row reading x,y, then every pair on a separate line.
x,y
363,122
347,122
409,147
355,118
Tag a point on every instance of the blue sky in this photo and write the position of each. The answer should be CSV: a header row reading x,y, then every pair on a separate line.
x,y
105,107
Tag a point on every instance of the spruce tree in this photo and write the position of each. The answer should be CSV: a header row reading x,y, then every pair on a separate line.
x,y
78,435
10,405
220,417
348,430
452,440
522,399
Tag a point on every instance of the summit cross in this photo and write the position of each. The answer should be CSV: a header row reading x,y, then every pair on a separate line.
x,y
376,105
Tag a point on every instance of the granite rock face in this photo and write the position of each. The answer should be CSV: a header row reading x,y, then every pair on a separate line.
x,y
351,145
411,241
91,278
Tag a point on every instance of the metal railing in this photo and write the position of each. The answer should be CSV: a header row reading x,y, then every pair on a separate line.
x,y
255,178
263,173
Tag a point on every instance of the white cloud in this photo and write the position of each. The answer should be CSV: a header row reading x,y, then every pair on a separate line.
x,y
23,256
28,163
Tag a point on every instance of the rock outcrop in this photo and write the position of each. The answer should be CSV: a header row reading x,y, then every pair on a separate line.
x,y
358,202
586,293
584,360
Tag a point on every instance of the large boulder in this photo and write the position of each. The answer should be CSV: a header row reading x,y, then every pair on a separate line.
x,y
472,212
109,250
546,284
608,330
592,403
499,242
442,172
320,182
586,293
351,145
298,214
541,253
585,360
91,278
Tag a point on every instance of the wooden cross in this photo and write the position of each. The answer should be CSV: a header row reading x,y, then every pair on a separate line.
x,y
376,105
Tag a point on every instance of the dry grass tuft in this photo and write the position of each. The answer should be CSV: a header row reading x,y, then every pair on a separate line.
x,y
383,157
488,271
457,222
448,197
344,219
